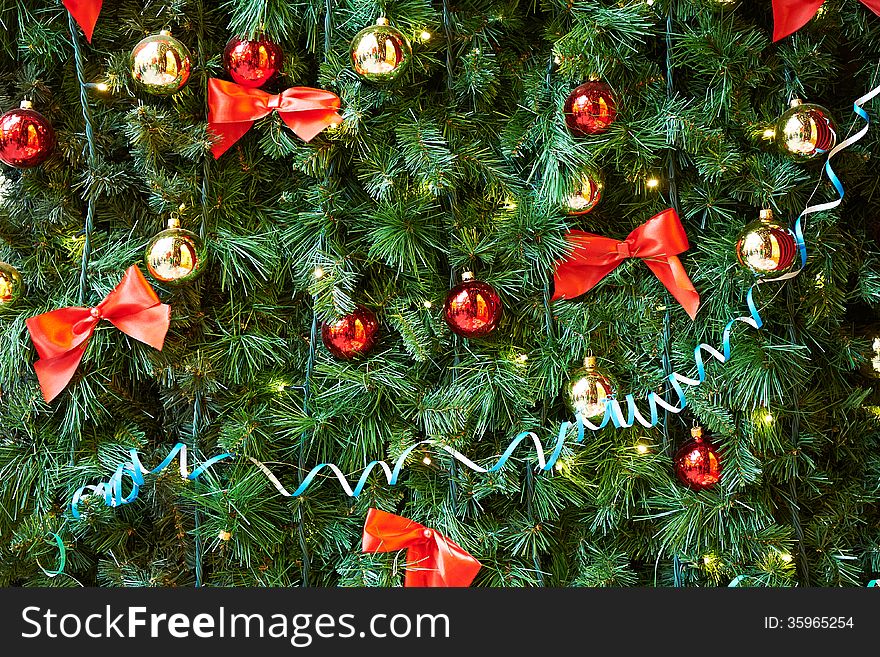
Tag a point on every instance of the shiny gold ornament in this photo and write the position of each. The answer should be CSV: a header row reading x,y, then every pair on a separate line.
x,y
160,64
806,131
767,247
380,53
11,285
586,192
175,255
587,390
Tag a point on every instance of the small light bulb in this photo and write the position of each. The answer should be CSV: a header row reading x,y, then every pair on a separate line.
x,y
426,303
522,358
768,417
652,183
102,86
318,273
559,466
425,35
786,557
650,3
769,133
427,460
642,448
224,535
557,59
708,559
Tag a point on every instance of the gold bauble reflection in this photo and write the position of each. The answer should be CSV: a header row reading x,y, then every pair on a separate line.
x,y
806,131
587,390
767,247
380,53
160,64
11,284
175,256
586,192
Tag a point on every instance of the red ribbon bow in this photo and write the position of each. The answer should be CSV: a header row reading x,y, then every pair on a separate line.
x,y
791,15
61,336
85,13
431,558
658,242
232,110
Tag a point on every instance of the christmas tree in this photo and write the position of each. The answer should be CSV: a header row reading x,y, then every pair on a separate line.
x,y
310,259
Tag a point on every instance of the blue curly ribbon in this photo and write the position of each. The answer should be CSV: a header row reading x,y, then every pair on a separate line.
x,y
62,557
112,493
111,490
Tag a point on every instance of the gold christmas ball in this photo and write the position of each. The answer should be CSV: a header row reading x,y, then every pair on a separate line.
x,y
380,53
767,247
160,64
586,192
587,389
806,131
11,285
175,256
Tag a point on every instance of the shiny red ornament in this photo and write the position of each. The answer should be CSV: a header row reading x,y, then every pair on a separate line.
x,y
252,63
697,464
590,109
473,308
27,138
352,335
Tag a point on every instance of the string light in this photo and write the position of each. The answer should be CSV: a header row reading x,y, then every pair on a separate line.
x,y
427,460
769,133
768,417
426,303
318,273
643,447
652,183
557,59
425,35
224,535
708,560
522,358
560,466
786,557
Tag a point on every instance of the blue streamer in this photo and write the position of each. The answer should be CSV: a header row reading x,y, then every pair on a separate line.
x,y
62,557
112,490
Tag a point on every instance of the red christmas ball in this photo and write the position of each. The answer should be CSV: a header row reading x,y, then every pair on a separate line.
x,y
252,63
472,309
26,137
352,335
697,464
590,109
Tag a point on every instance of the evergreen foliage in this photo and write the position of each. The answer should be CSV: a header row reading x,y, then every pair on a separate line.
x,y
459,164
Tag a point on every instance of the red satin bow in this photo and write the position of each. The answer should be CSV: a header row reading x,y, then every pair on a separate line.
x,y
61,336
232,110
658,242
431,558
85,13
791,15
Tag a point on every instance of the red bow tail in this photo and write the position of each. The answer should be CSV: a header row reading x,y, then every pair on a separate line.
x,y
432,559
658,242
232,110
791,15
61,336
85,13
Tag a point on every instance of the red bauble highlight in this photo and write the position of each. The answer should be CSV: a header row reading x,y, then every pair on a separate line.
x,y
351,336
252,63
472,309
27,138
697,464
590,109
